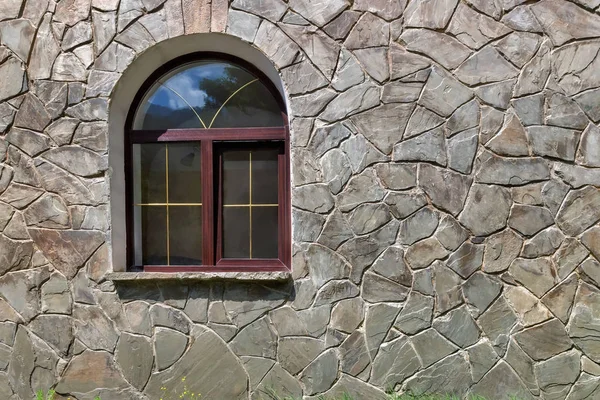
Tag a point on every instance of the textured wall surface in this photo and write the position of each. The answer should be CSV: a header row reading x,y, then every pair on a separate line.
x,y
446,174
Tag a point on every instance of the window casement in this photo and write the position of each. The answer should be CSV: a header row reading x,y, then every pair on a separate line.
x,y
207,166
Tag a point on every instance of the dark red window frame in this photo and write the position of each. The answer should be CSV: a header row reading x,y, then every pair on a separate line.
x,y
212,142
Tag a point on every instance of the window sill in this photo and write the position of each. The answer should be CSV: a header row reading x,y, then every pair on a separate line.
x,y
245,276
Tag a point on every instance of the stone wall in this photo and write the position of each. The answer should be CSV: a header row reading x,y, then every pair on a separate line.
x,y
446,204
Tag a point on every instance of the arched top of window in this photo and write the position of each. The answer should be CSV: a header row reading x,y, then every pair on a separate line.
x,y
209,93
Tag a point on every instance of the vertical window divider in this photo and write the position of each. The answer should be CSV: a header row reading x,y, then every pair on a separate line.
x,y
167,203
208,193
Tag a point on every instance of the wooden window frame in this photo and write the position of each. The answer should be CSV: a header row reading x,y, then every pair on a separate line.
x,y
210,140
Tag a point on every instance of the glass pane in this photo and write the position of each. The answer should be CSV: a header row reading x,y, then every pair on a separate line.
x,y
264,177
207,94
236,177
184,173
236,232
150,185
154,235
185,240
264,232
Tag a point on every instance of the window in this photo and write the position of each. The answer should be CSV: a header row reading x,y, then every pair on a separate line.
x,y
208,163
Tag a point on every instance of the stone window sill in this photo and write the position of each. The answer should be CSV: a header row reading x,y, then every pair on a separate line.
x,y
271,276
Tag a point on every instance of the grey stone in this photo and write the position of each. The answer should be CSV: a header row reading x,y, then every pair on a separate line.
x,y
273,42
68,67
486,209
387,10
467,259
314,198
403,204
257,339
560,299
335,232
279,381
206,346
32,115
375,61
272,10
361,153
497,323
16,228
501,379
49,211
588,153
61,131
89,110
522,19
590,268
56,298
588,101
512,139
360,189
418,226
422,120
423,253
396,361
295,353
429,146
519,47
369,31
573,65
348,314
134,356
353,353
416,314
528,308
491,122
20,196
18,35
530,109
482,358
443,48
55,330
169,346
94,328
534,75
302,78
311,104
443,94
242,25
536,274
486,66
429,14
12,78
583,325
354,388
367,218
378,321
348,72
586,386
554,142
462,149
544,243
307,226
558,372
352,101
446,288
529,220
564,112
401,92
316,256
553,194
497,94
375,124
576,176
467,116
138,316
404,63
450,233
578,202
376,289
545,340
392,266
450,375
530,194
334,291
321,373
397,176
328,137
458,327
257,369
548,12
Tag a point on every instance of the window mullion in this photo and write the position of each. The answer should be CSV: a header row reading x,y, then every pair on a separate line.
x,y
207,181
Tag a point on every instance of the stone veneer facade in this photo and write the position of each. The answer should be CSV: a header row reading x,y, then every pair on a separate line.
x,y
446,174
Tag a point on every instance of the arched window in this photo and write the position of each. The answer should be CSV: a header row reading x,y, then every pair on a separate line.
x,y
208,184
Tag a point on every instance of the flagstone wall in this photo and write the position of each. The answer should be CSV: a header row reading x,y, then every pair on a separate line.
x,y
446,200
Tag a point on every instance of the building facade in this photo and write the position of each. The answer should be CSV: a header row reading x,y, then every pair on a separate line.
x,y
437,204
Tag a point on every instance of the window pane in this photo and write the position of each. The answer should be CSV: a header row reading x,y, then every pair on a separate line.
x,y
264,177
154,235
236,232
184,173
207,94
185,226
236,177
150,177
264,232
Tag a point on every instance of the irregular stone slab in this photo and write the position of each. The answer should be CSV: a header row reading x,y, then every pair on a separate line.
x,y
447,288
369,31
553,142
401,92
519,47
458,327
67,250
14,255
327,137
501,379
272,41
378,321
78,378
354,100
482,358
560,299
311,104
429,14
559,372
402,204
522,19
474,29
302,78
588,153
573,66
55,330
353,353
49,211
443,94
467,116
528,308
583,325
360,189
397,176
544,341
134,356
242,25
530,109
11,82
94,328
486,209
56,297
375,124
512,139
320,13
320,48
585,24
491,122
462,149
392,266
396,361
164,315
544,243
336,169
486,66
321,373
535,73
529,220
580,202
367,218
32,115
441,47
423,253
496,94
77,160
257,339
576,176
361,153
169,346
536,275
347,315
404,63
523,366
450,233
416,314
450,375
314,198
335,232
564,112
588,101
206,346
418,226
20,196
348,72
429,146
376,288
375,61
497,323
45,50
354,388
422,120
295,353
272,10
467,259
446,189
